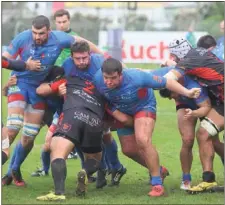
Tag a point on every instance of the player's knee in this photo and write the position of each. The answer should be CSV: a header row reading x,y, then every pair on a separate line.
x,y
211,128
27,141
187,142
91,166
14,123
128,151
142,142
5,143
31,130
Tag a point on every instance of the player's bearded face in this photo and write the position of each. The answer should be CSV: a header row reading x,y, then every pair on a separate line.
x,y
112,80
81,60
40,36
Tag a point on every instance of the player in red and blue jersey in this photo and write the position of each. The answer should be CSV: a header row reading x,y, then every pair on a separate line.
x,y
25,107
130,91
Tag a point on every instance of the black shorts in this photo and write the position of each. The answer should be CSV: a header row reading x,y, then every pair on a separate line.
x,y
219,109
83,128
48,117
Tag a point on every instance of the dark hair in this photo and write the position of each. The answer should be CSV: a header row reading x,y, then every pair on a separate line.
x,y
165,93
41,21
80,47
111,65
206,41
61,12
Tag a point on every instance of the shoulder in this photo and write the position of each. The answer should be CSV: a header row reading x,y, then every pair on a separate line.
x,y
24,35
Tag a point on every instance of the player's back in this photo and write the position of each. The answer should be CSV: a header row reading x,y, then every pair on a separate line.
x,y
83,94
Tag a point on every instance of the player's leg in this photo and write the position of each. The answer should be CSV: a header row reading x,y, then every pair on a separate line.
x,y
187,132
209,127
45,153
110,145
17,98
91,144
218,147
62,143
5,144
61,146
144,123
32,122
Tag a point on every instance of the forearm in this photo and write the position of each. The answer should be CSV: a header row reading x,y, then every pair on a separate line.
x,y
5,90
127,120
93,47
16,65
176,87
44,90
201,112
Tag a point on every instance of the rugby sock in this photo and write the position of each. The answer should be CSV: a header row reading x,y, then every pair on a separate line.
x,y
103,165
208,177
21,155
156,180
4,157
186,177
12,159
59,172
45,156
111,151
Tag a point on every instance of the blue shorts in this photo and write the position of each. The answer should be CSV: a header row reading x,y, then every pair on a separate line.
x,y
27,93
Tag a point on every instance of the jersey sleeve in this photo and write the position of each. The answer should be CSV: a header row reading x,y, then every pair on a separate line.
x,y
55,85
149,80
65,39
16,45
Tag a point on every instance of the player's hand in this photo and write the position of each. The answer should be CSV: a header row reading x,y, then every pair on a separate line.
x,y
194,93
188,113
169,62
12,81
62,89
33,65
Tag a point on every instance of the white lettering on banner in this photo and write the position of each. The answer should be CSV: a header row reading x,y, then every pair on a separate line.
x,y
145,47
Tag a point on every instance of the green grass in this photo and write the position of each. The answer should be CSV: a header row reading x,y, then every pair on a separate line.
x,y
134,186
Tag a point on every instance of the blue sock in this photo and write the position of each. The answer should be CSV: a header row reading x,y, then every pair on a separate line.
x,y
21,155
186,177
111,150
12,159
103,164
45,157
80,154
156,181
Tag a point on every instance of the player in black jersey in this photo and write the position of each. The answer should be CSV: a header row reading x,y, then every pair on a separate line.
x,y
80,124
203,66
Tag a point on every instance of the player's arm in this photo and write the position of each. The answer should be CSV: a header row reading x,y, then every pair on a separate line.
x,y
202,111
93,47
12,81
125,119
156,82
